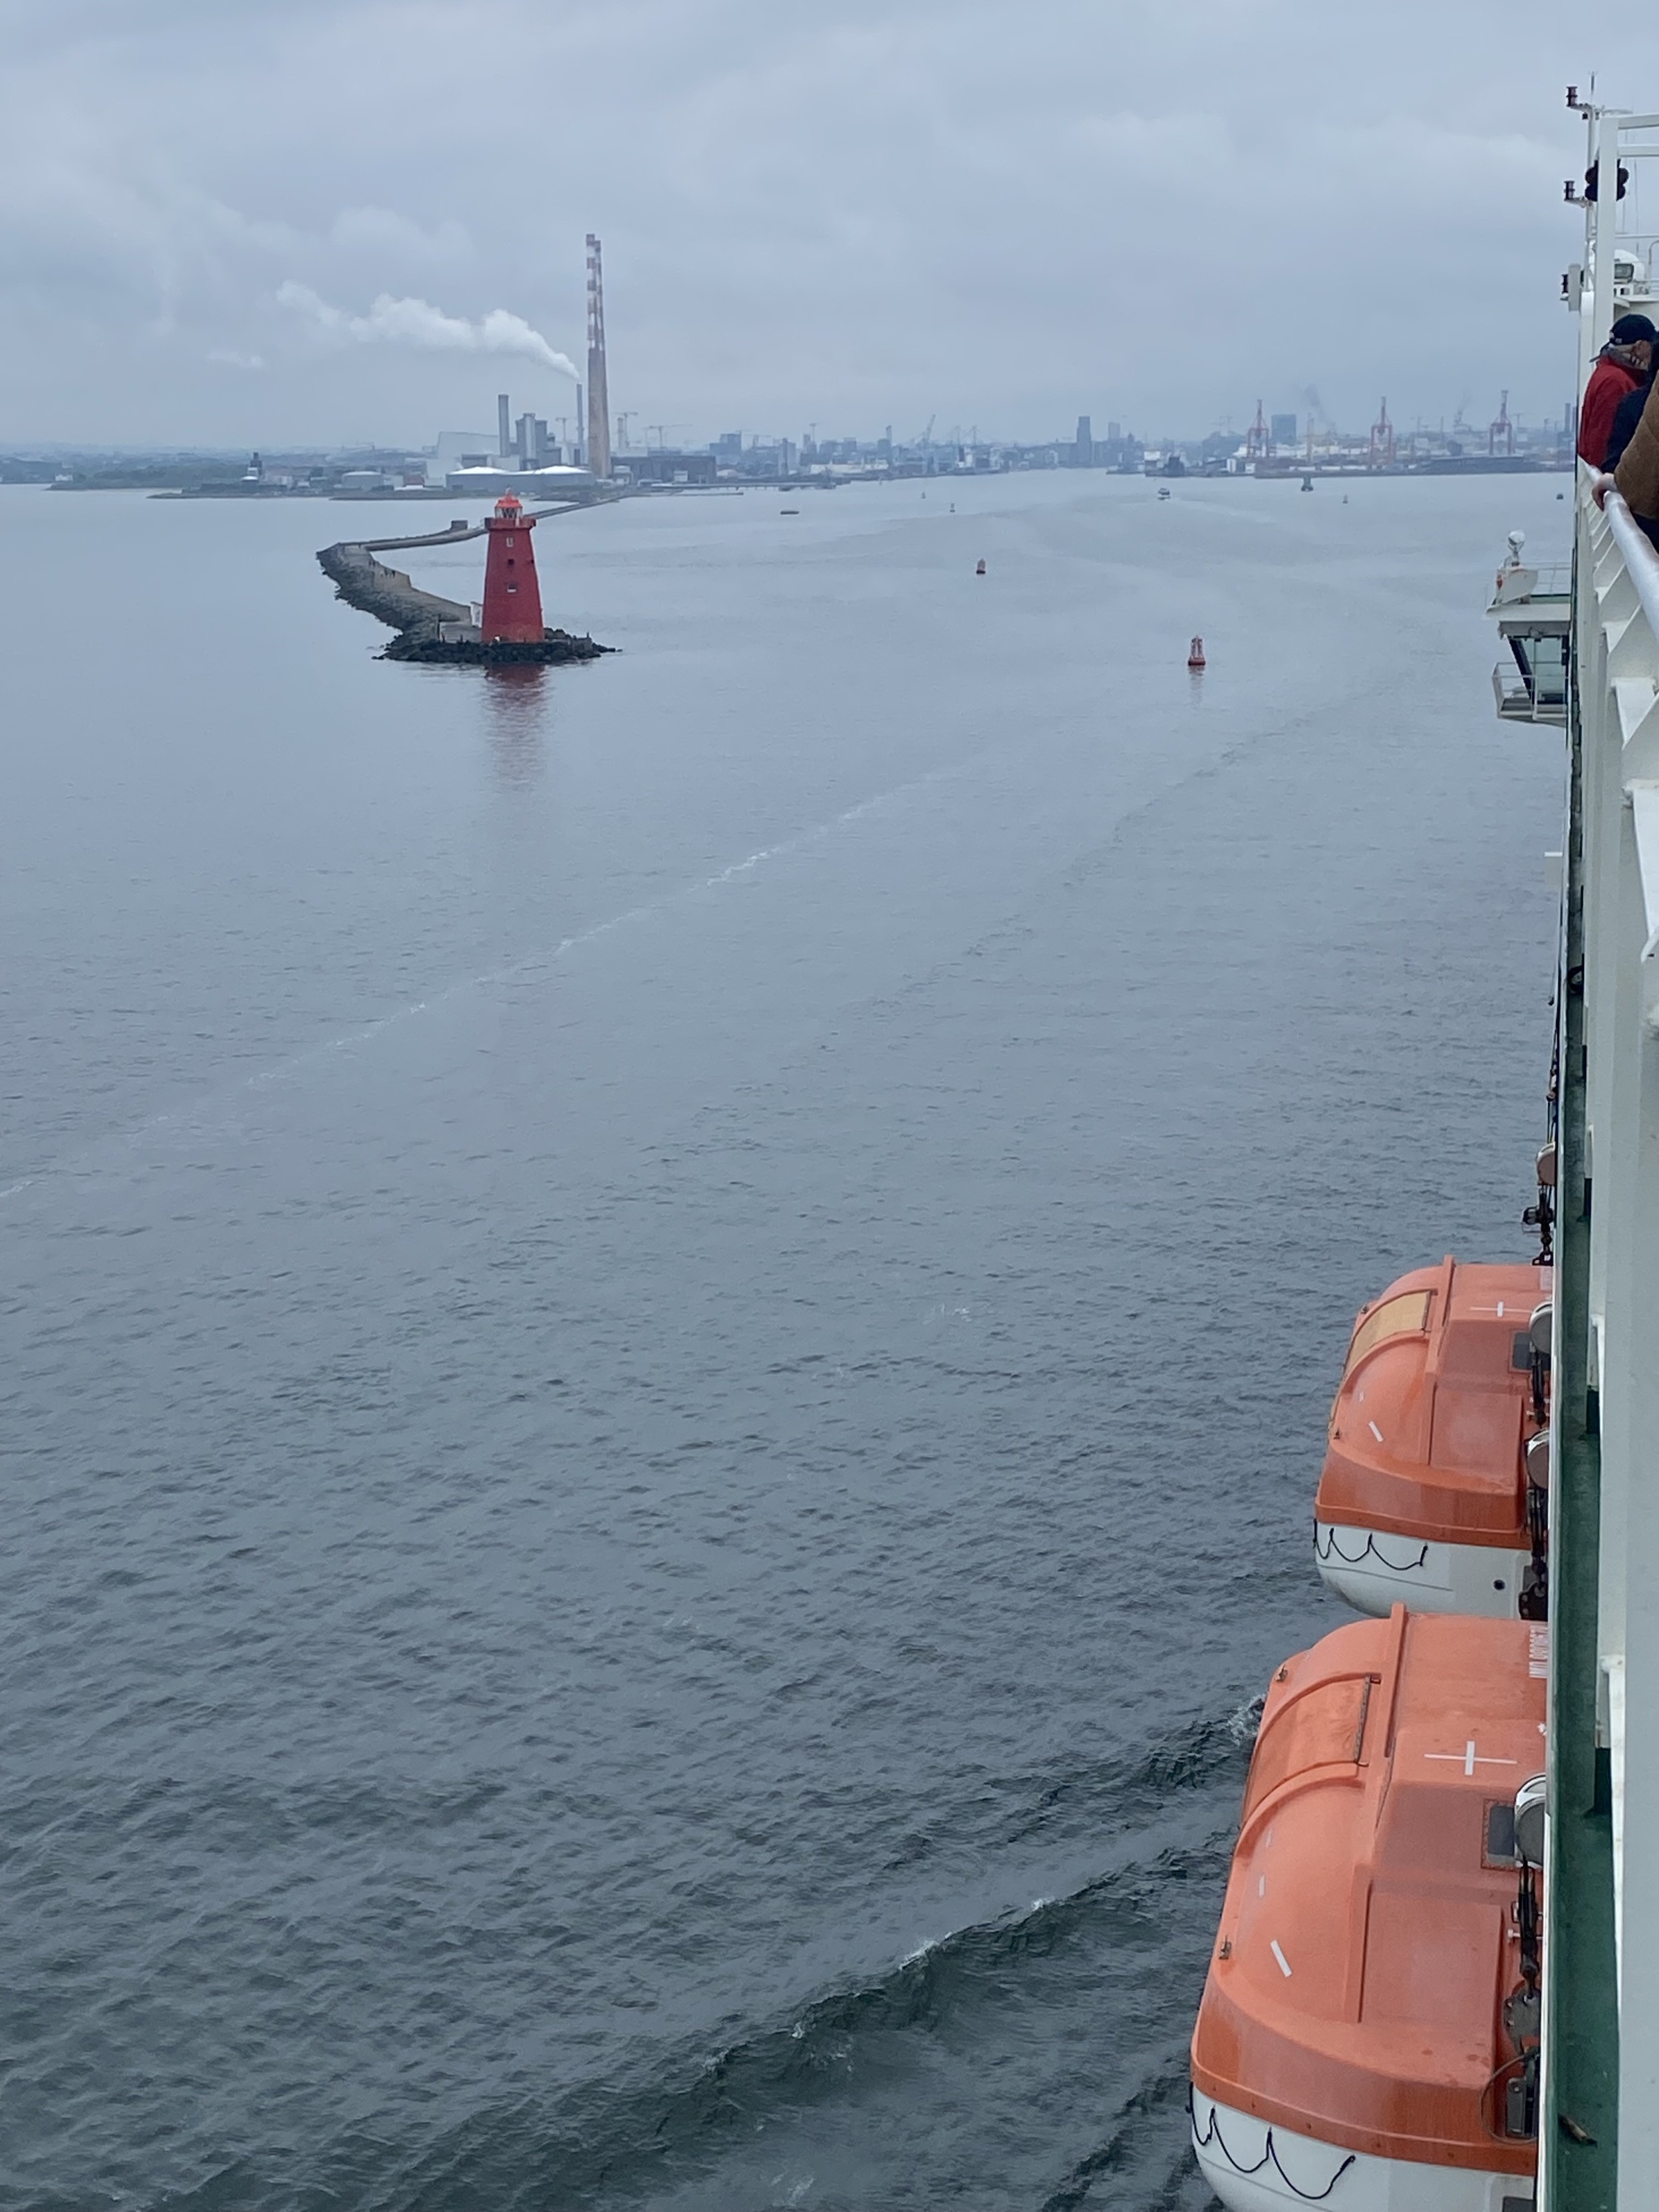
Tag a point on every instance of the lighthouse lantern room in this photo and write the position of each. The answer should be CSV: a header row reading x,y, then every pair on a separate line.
x,y
512,597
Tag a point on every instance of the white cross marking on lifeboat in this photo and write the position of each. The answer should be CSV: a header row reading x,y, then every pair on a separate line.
x,y
1468,1760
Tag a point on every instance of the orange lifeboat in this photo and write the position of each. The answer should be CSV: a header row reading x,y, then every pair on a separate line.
x,y
1369,2031
1425,1496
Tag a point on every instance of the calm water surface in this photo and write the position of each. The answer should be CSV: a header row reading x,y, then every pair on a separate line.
x,y
667,1324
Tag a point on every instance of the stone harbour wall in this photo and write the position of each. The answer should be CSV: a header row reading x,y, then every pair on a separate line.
x,y
418,617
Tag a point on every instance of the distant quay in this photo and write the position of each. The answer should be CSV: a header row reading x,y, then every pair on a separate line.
x,y
431,630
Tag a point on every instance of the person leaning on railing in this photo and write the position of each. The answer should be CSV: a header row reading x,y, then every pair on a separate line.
x,y
1637,474
1621,368
1627,415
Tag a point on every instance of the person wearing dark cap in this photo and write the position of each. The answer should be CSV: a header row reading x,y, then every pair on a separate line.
x,y
1627,414
1621,366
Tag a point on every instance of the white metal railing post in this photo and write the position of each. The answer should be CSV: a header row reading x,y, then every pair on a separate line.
x,y
1604,225
1587,341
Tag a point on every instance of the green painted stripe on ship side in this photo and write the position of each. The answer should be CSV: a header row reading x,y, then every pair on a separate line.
x,y
1578,2122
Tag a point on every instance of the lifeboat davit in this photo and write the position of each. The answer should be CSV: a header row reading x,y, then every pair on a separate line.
x,y
1368,2036
1425,1494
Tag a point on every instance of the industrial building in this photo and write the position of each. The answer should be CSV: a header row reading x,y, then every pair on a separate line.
x,y
557,480
667,466
522,458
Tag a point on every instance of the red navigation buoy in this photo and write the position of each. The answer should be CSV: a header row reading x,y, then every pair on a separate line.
x,y
979,567
1195,657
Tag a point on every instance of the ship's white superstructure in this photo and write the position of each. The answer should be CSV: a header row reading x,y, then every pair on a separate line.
x,y
1599,2125
1435,1983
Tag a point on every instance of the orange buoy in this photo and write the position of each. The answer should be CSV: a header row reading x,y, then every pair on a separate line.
x,y
979,567
1195,656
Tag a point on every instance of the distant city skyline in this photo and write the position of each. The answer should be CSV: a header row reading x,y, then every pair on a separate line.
x,y
232,222
697,439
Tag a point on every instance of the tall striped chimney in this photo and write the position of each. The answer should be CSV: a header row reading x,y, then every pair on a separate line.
x,y
599,394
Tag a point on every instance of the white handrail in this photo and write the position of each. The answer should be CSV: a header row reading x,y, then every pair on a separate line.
x,y
1641,557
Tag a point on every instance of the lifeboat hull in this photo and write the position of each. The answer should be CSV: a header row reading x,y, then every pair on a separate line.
x,y
1367,2036
1423,1497
1374,1571
1254,2166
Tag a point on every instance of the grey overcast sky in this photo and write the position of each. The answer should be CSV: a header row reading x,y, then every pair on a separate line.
x,y
846,212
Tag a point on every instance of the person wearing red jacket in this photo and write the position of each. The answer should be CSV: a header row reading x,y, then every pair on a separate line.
x,y
1621,366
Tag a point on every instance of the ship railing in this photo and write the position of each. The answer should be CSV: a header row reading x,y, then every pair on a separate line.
x,y
1517,584
1529,684
1533,608
1602,1951
1619,697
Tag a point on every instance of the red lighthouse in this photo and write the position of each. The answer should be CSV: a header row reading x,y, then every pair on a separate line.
x,y
512,597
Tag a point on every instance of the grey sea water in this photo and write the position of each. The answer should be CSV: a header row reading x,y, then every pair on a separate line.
x,y
667,1324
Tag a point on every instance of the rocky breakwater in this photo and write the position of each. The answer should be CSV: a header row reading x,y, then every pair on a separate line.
x,y
429,628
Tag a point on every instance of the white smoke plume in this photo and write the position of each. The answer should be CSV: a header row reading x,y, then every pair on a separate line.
x,y
417,323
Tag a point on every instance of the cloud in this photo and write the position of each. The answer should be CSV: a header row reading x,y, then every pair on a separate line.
x,y
228,358
417,324
864,211
382,234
